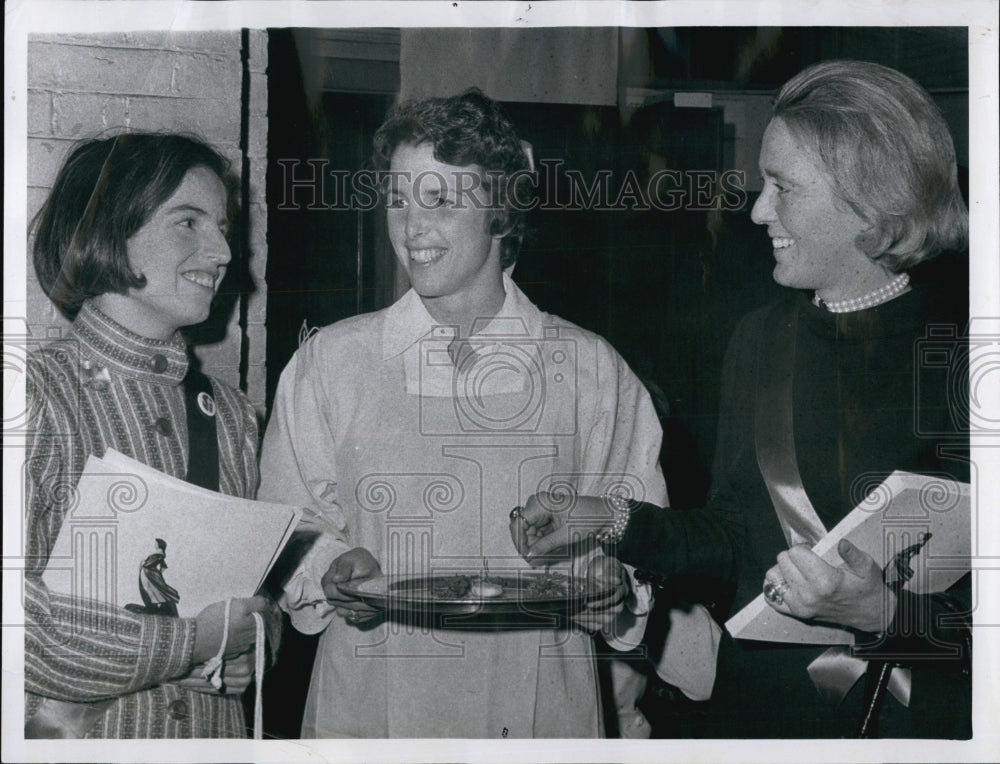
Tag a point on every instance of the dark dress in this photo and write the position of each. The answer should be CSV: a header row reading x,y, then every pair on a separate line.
x,y
859,414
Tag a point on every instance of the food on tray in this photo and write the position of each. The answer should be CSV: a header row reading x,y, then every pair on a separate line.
x,y
528,586
486,589
447,587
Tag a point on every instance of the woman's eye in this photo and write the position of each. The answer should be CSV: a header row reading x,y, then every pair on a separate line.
x,y
394,203
189,222
774,184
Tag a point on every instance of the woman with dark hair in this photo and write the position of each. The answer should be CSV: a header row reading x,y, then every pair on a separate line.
x,y
822,401
406,431
131,245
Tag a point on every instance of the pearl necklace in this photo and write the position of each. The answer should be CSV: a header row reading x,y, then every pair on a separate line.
x,y
883,294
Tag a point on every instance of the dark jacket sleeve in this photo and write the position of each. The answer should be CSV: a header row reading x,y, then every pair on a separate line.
x,y
705,542
666,543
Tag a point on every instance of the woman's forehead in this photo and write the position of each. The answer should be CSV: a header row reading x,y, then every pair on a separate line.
x,y
200,189
409,161
784,153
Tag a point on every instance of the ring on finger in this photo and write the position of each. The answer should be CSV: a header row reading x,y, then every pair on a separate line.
x,y
774,591
517,512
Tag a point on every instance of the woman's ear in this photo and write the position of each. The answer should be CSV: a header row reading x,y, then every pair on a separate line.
x,y
869,241
499,225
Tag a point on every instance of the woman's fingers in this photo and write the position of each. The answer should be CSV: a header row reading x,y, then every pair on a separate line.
x,y
605,578
352,566
535,531
519,531
237,673
546,550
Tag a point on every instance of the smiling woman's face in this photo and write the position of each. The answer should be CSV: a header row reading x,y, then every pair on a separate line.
x,y
812,230
182,252
439,229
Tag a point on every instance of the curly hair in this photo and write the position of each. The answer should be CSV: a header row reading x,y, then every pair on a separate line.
x,y
106,190
889,153
467,129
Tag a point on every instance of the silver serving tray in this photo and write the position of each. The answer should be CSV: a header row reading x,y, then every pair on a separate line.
x,y
528,592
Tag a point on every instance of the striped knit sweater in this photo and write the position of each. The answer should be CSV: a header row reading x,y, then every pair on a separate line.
x,y
106,387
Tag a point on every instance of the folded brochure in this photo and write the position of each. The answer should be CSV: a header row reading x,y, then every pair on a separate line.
x,y
895,517
140,539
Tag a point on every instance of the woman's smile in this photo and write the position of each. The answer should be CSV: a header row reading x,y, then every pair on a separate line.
x,y
202,278
426,256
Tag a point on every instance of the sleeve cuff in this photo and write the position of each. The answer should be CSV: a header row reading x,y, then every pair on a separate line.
x,y
169,642
645,523
689,656
303,597
627,630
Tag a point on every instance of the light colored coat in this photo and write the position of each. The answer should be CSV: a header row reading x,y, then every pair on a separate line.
x,y
391,447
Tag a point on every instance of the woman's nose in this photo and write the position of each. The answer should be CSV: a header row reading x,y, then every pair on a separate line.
x,y
216,247
416,220
763,208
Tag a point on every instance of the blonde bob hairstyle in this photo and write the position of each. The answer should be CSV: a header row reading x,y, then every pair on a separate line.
x,y
888,151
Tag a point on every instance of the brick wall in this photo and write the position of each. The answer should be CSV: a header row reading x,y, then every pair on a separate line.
x,y
256,308
81,86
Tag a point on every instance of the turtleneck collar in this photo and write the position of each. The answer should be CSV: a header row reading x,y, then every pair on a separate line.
x,y
104,342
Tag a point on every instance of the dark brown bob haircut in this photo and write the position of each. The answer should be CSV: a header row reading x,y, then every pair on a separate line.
x,y
468,129
107,190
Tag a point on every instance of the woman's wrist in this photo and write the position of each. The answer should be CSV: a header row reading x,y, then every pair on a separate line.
x,y
614,530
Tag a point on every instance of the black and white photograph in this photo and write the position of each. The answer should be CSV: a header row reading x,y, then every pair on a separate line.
x,y
556,381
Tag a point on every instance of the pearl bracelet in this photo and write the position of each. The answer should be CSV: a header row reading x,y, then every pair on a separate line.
x,y
622,508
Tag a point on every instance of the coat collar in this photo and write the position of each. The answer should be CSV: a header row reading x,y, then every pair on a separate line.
x,y
407,321
106,344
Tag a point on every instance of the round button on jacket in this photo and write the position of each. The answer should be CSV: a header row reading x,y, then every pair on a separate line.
x,y
158,363
179,710
163,426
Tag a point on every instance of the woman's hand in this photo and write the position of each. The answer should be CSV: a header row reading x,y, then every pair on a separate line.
x,y
543,532
237,674
851,595
209,625
356,565
607,575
